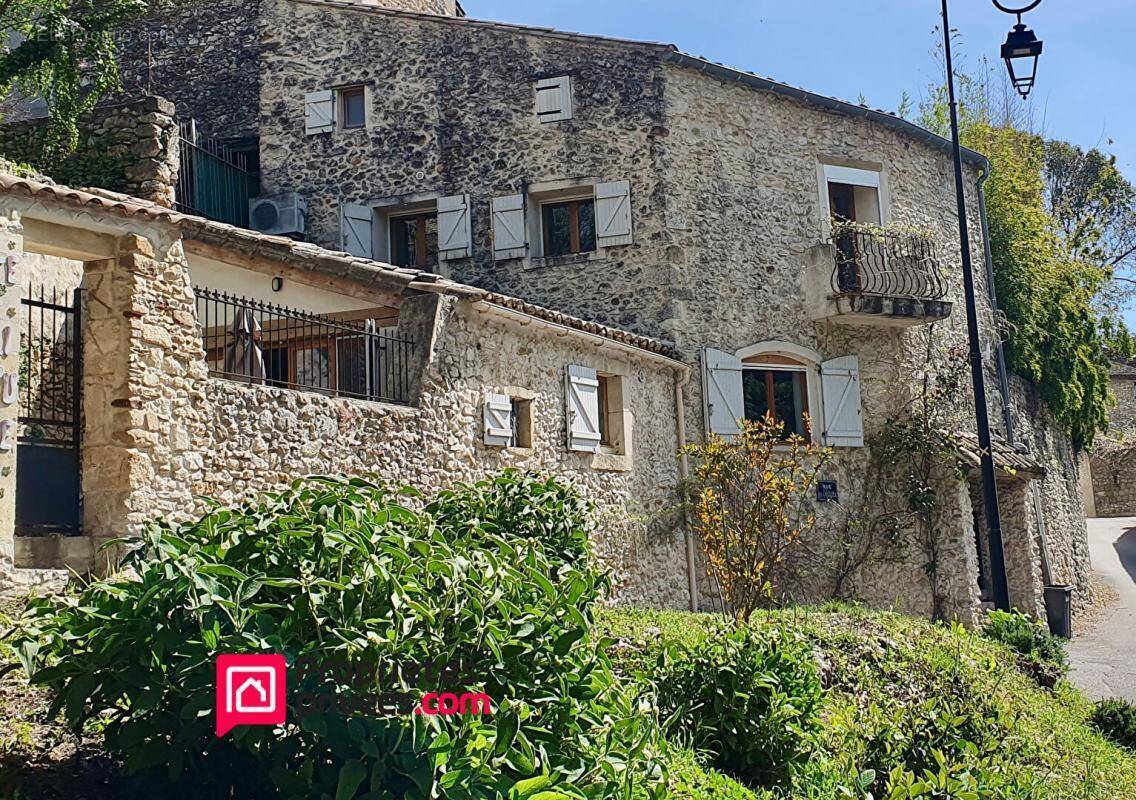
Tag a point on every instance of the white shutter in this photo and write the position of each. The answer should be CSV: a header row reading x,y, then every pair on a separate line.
x,y
554,99
508,226
498,420
613,213
583,409
358,230
319,112
454,231
722,392
840,393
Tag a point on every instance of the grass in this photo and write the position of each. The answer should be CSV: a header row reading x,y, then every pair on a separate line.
x,y
875,666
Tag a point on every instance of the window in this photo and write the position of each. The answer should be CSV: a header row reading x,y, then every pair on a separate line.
x,y
610,402
522,422
569,227
779,391
414,240
853,194
508,420
353,107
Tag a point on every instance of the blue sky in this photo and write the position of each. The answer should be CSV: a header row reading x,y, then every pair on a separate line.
x,y
881,48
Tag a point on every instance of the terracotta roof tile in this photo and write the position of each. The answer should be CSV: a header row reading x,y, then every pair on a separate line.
x,y
307,255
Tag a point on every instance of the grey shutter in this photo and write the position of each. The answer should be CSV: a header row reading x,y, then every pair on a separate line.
x,y
613,213
840,393
722,393
498,420
319,112
358,230
583,409
554,99
454,230
508,226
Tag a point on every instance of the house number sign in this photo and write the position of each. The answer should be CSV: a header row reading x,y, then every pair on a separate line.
x,y
827,492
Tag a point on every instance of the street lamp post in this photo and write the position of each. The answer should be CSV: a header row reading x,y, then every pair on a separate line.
x,y
999,586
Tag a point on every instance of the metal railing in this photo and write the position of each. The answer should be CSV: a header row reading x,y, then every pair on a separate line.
x,y
254,342
214,181
886,264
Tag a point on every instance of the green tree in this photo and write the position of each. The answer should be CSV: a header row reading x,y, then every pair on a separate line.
x,y
63,51
1052,274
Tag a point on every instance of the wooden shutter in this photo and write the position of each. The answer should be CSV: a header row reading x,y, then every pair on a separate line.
x,y
583,409
319,112
454,231
358,230
840,393
498,419
554,99
722,393
613,213
508,226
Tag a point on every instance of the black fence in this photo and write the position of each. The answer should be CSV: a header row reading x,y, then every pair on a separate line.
x,y
254,342
214,181
887,264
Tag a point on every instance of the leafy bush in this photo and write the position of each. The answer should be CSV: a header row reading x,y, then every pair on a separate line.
x,y
1041,654
749,508
339,573
1116,719
748,695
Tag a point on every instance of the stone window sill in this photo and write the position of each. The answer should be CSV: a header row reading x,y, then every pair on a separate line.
x,y
607,460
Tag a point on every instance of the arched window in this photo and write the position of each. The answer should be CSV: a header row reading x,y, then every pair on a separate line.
x,y
779,379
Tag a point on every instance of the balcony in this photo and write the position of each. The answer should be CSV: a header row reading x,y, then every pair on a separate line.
x,y
880,277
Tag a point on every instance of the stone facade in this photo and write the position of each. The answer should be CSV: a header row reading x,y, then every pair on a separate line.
x,y
729,248
1113,462
204,56
128,147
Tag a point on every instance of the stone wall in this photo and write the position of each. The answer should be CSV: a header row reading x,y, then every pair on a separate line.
x,y
125,147
1113,461
1122,419
257,438
1058,496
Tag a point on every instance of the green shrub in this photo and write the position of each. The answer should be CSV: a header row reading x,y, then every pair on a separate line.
x,y
1041,654
691,780
340,572
746,694
1116,719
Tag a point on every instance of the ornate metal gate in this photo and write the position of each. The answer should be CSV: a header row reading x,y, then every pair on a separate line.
x,y
48,493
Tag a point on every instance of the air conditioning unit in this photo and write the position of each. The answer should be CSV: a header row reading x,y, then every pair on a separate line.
x,y
283,214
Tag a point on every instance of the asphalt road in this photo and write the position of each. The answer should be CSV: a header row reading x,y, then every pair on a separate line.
x,y
1104,660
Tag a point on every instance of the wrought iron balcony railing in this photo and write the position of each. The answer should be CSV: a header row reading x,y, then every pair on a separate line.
x,y
885,263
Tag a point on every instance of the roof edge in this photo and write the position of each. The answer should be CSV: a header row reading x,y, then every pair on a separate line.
x,y
731,74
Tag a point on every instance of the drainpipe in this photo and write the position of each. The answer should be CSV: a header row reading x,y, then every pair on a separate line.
x,y
1004,379
683,475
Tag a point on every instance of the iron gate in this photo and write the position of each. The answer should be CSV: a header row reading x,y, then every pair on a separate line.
x,y
48,493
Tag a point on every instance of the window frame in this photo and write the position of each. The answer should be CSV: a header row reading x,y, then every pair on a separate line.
x,y
776,356
575,245
340,93
861,174
521,421
421,246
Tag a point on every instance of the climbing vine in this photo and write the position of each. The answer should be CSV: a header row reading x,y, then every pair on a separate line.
x,y
64,51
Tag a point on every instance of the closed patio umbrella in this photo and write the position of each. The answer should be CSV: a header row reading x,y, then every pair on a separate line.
x,y
243,358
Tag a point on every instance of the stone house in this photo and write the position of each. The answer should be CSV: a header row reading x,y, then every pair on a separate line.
x,y
655,193
471,382
1113,461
